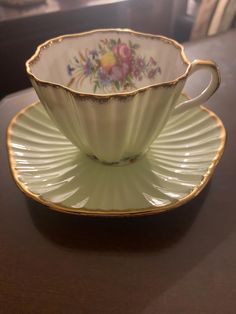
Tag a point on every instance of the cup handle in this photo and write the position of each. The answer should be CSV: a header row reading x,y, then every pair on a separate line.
x,y
208,91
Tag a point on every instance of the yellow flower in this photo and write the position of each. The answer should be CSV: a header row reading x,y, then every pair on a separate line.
x,y
108,60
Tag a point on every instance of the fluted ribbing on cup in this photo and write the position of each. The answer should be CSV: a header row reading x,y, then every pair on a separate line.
x,y
131,122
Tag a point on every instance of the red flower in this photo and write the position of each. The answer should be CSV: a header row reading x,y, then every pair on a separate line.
x,y
123,51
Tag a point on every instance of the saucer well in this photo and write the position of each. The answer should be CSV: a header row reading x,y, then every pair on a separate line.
x,y
179,163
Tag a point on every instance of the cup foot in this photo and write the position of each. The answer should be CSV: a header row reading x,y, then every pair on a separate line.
x,y
122,162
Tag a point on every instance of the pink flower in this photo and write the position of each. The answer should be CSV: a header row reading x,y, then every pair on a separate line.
x,y
119,72
116,73
123,51
125,68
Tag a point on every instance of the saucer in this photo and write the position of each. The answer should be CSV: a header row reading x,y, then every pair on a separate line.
x,y
179,163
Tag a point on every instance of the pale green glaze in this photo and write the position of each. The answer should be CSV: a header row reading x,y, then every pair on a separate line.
x,y
110,123
49,166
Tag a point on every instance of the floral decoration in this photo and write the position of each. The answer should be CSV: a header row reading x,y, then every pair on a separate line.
x,y
114,66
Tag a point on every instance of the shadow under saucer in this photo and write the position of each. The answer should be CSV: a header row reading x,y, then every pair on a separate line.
x,y
137,235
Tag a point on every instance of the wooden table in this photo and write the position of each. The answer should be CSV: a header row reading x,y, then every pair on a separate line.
x,y
179,262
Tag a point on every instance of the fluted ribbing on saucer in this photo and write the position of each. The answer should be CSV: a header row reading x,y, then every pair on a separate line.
x,y
52,170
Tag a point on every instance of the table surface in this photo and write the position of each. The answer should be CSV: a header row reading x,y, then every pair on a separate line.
x,y
182,261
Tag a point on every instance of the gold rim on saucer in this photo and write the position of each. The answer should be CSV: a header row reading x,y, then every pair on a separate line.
x,y
15,143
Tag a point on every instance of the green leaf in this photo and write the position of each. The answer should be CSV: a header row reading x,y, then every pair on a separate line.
x,y
129,79
117,85
96,86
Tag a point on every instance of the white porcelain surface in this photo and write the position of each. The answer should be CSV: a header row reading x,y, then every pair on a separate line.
x,y
47,167
147,60
111,92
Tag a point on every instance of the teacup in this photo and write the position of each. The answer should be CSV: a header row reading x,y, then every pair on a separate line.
x,y
111,91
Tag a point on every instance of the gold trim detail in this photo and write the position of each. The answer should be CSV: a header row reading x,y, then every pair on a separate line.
x,y
126,212
55,40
